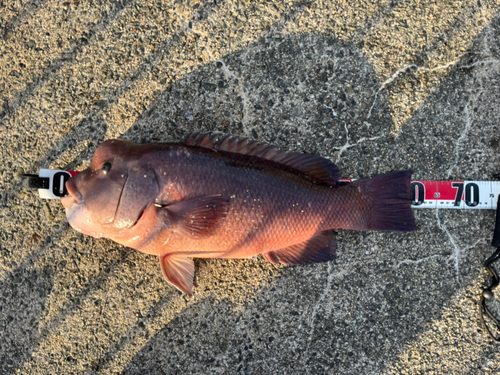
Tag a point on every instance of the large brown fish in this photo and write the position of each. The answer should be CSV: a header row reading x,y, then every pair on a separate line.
x,y
227,197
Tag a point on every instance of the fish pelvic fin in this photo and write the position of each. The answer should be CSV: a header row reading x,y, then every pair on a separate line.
x,y
178,270
390,195
198,217
320,248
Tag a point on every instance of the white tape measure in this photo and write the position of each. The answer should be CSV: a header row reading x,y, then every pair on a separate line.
x,y
455,194
479,195
425,194
51,183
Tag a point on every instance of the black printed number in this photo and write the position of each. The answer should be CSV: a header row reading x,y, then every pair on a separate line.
x,y
59,183
471,194
460,190
417,193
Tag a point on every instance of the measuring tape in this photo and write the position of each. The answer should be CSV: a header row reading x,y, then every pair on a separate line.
x,y
479,195
51,184
455,194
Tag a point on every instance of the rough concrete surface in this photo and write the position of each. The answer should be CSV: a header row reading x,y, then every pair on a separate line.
x,y
371,85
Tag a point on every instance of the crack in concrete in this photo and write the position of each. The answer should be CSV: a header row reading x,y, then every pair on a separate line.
x,y
417,261
241,85
348,145
402,70
184,23
227,72
479,63
320,300
459,140
331,109
456,255
326,291
423,68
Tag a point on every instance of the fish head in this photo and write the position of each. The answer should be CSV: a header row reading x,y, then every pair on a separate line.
x,y
111,195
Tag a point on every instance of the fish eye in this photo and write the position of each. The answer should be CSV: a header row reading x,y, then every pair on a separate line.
x,y
106,167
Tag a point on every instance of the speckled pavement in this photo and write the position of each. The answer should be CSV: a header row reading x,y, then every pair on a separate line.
x,y
371,85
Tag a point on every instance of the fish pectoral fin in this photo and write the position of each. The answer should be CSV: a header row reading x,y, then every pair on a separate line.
x,y
179,271
198,217
320,248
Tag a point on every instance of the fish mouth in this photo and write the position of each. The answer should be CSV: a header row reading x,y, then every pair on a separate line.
x,y
73,196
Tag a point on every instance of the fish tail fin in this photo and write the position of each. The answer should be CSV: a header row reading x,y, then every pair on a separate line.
x,y
391,198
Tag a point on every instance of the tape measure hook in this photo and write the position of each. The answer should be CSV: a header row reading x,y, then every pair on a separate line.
x,y
37,182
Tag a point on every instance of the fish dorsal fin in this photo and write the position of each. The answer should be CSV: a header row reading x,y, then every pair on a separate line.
x,y
312,165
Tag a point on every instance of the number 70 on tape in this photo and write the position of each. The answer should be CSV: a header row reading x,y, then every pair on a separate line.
x,y
455,194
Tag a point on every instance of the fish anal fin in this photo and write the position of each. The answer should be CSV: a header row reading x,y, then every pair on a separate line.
x,y
320,248
314,166
198,217
271,257
178,270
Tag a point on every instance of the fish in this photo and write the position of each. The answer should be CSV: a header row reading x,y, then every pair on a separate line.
x,y
221,196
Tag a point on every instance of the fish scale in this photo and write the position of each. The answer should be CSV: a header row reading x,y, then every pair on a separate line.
x,y
274,194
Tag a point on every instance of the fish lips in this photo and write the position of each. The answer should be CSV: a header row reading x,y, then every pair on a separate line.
x,y
76,213
74,196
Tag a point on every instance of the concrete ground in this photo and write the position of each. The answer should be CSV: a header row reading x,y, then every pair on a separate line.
x,y
371,85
